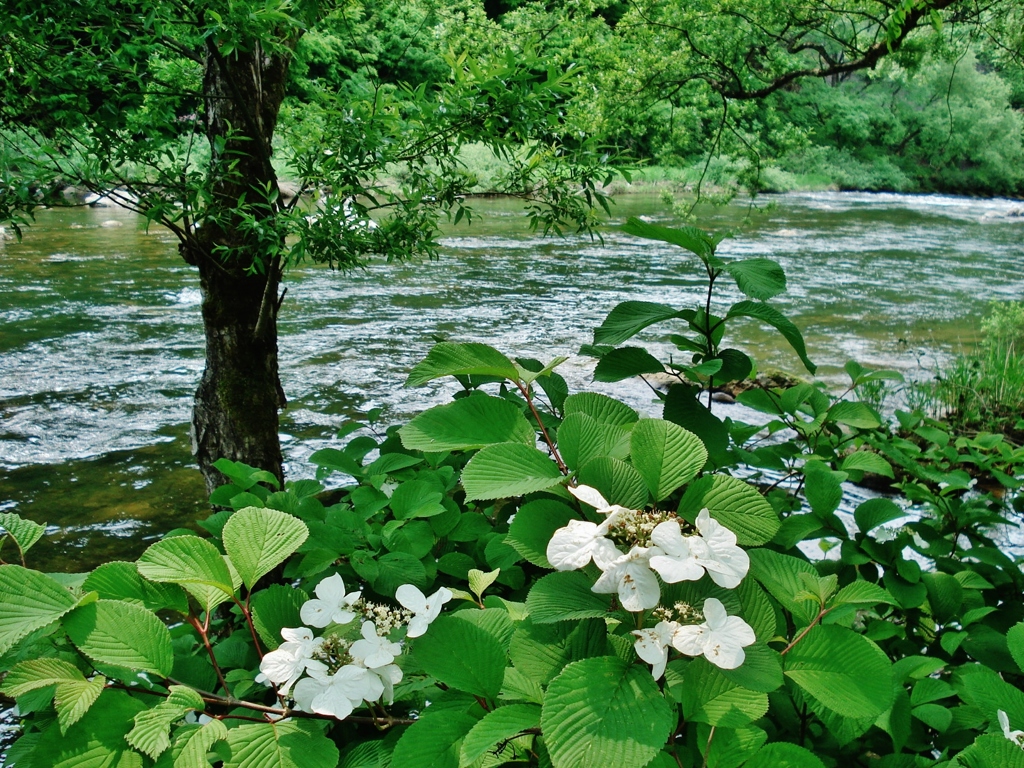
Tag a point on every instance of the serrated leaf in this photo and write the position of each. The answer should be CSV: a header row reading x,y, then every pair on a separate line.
x,y
288,744
433,741
945,595
507,470
760,671
450,359
863,593
469,423
606,410
629,318
480,581
192,562
563,596
692,239
152,731
39,673
730,748
275,608
397,568
666,455
258,540
24,532
780,575
758,278
625,363
618,482
534,525
121,581
783,755
708,696
602,712
74,698
1015,643
683,408
735,504
191,745
842,670
582,438
865,461
774,318
96,740
29,600
854,414
823,488
123,634
875,512
497,726
478,667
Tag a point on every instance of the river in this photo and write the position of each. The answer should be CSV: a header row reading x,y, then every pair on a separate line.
x,y
101,344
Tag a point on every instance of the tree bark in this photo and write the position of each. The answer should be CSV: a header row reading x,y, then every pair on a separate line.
x,y
235,414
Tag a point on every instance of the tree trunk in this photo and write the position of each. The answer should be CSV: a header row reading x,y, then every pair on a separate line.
x,y
235,414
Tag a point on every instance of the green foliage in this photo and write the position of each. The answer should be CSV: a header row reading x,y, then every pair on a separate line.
x,y
527,580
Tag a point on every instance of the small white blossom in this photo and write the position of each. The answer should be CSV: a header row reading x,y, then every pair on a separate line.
x,y
338,694
631,576
720,639
373,650
678,563
1017,737
573,546
652,645
331,604
725,562
425,609
390,675
286,664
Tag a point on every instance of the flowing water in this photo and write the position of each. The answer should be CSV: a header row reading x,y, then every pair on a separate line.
x,y
101,344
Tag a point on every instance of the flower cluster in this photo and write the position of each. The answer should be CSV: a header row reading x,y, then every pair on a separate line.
x,y
341,674
660,544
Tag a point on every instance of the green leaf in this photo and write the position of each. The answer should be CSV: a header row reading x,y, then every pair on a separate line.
x,y
289,744
192,743
774,318
730,748
275,608
582,438
683,408
74,698
534,525
865,461
24,532
603,712
945,595
466,424
854,414
666,455
123,634
823,488
708,696
1015,643
433,741
416,498
758,278
992,750
449,359
862,593
782,575
192,562
563,596
480,581
258,540
783,755
875,512
397,568
761,670
605,409
843,671
121,581
631,317
617,481
540,651
497,726
96,740
735,504
696,241
29,600
508,469
625,363
39,673
477,668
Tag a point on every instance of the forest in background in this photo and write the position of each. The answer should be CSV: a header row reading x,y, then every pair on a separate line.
x,y
941,114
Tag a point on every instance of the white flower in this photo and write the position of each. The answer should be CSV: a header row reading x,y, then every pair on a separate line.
x,y
1017,737
390,676
725,562
287,663
593,497
332,604
573,546
426,609
678,563
373,650
630,576
652,645
720,639
338,694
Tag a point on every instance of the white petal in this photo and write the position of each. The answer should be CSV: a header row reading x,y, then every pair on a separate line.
x,y
316,613
410,597
331,590
305,691
332,701
417,626
669,537
590,496
689,640
571,547
724,655
297,634
638,587
714,613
